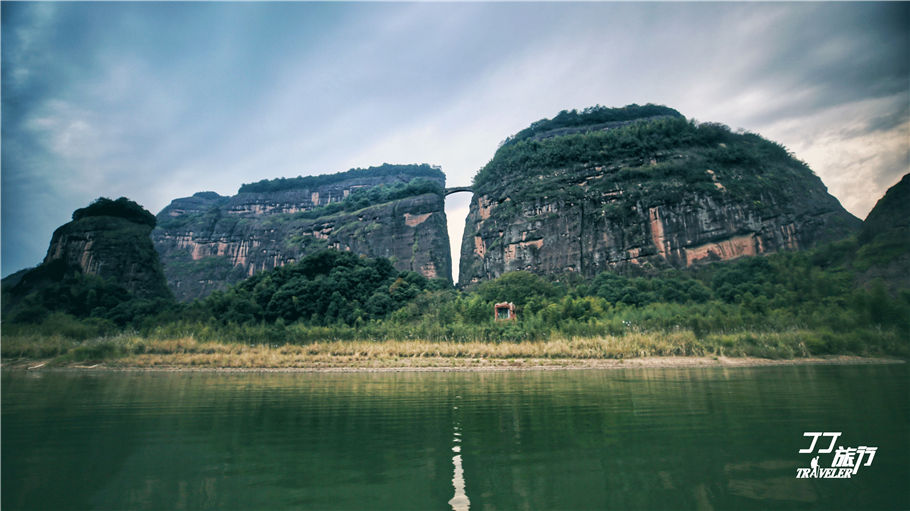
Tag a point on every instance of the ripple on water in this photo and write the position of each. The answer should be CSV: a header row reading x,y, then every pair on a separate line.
x,y
721,438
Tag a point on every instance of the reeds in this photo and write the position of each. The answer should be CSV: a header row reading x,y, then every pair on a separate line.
x,y
132,350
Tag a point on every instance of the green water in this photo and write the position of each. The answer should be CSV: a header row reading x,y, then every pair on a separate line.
x,y
621,439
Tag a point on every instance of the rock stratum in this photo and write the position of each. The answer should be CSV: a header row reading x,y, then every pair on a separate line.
x,y
639,188
207,242
107,239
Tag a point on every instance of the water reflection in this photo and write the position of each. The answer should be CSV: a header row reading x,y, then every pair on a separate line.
x,y
460,501
627,439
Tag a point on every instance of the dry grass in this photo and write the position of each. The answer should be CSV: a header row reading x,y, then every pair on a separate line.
x,y
187,352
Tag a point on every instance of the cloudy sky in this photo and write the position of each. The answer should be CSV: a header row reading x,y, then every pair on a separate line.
x,y
156,101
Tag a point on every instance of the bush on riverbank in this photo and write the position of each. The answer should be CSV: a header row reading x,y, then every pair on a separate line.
x,y
780,306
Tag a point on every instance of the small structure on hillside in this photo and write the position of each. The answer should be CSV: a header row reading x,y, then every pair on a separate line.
x,y
504,311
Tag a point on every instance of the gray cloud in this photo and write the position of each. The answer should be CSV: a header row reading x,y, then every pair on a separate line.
x,y
160,100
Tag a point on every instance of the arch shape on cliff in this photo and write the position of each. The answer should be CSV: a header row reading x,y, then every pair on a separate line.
x,y
456,189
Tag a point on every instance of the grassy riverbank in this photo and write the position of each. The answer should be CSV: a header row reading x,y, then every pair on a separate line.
x,y
338,310
130,350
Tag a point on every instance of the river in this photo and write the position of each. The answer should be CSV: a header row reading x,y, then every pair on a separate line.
x,y
718,438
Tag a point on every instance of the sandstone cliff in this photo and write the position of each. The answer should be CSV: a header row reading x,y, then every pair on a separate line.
x,y
209,241
639,188
108,239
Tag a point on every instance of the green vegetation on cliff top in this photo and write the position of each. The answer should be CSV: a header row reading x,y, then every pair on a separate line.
x,y
358,199
406,172
120,208
592,117
655,159
381,194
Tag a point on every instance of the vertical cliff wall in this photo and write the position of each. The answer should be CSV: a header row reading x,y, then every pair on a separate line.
x,y
108,239
639,187
208,241
112,248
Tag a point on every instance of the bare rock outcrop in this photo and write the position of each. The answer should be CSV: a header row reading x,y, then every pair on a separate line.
x,y
209,241
108,239
645,194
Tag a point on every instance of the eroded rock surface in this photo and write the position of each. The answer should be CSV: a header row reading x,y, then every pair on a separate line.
x,y
658,192
209,241
107,239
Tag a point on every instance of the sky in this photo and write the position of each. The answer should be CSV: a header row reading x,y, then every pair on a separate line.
x,y
155,101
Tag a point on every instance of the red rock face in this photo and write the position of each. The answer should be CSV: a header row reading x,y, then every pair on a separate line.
x,y
112,248
76,250
207,242
639,187
584,234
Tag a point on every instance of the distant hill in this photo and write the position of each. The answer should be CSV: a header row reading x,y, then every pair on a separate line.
x,y
889,220
639,188
884,251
